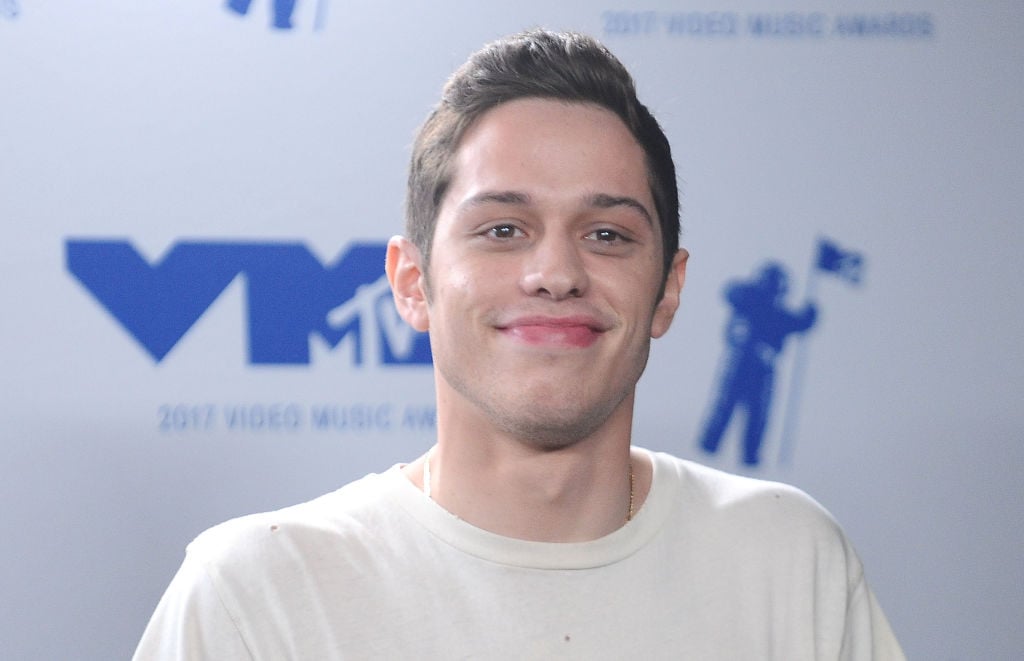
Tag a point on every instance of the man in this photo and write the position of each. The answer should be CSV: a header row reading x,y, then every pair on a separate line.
x,y
541,254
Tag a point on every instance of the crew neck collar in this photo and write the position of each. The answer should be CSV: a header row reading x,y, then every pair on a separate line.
x,y
486,545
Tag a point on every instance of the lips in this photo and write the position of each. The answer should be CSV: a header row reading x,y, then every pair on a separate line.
x,y
575,331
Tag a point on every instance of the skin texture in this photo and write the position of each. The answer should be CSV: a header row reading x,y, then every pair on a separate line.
x,y
540,299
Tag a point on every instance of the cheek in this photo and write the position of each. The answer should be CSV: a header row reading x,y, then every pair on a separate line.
x,y
453,291
468,277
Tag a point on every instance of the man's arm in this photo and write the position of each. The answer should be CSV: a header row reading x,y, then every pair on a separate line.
x,y
191,622
868,636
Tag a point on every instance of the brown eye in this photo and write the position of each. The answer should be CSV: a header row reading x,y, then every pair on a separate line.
x,y
503,231
607,236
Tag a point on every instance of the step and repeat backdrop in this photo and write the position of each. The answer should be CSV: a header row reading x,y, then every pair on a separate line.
x,y
196,197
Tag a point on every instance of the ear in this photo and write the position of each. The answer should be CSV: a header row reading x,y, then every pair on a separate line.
x,y
403,267
666,308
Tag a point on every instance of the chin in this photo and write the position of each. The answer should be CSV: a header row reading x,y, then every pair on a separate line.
x,y
553,430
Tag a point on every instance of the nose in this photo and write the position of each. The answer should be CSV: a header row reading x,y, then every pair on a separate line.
x,y
554,268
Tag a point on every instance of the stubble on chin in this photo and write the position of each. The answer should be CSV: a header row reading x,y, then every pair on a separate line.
x,y
544,422
551,432
545,415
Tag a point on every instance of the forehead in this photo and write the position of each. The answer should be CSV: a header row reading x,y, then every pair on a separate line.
x,y
550,148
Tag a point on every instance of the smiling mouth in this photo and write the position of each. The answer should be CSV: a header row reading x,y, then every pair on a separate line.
x,y
569,333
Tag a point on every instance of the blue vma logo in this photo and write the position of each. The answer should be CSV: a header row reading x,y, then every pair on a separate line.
x,y
290,296
760,323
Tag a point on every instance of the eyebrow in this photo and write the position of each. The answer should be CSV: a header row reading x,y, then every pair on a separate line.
x,y
498,197
602,201
598,200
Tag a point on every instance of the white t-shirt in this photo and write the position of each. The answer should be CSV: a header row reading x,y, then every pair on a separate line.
x,y
713,566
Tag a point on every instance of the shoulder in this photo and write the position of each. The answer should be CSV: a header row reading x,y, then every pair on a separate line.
x,y
748,507
762,530
290,535
251,582
758,541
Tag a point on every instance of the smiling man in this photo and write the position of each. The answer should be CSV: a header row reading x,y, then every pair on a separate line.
x,y
545,283
542,256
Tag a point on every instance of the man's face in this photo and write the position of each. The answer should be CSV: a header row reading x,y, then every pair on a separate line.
x,y
545,266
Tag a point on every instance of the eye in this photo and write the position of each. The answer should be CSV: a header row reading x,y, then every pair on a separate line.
x,y
606,235
504,231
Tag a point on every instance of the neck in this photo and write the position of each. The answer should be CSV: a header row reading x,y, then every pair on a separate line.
x,y
574,493
495,480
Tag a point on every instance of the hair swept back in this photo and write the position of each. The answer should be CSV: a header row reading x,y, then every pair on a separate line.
x,y
564,66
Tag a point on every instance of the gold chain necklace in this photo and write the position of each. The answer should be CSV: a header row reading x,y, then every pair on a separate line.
x,y
632,483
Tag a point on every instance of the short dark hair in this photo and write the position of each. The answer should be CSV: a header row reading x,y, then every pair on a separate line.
x,y
564,66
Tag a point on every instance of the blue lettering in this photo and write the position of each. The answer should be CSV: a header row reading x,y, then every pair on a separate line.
x,y
788,24
353,417
419,417
701,24
186,417
906,25
629,22
263,417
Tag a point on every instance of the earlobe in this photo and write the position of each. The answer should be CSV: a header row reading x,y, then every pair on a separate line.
x,y
406,277
666,308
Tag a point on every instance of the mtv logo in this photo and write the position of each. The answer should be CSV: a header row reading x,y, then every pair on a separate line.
x,y
290,295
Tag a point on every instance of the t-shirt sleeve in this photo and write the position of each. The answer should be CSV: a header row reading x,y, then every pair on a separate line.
x,y
191,621
868,636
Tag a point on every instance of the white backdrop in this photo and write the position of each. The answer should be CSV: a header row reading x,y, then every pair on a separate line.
x,y
896,132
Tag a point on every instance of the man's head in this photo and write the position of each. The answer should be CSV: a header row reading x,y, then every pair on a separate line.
x,y
543,205
541,64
